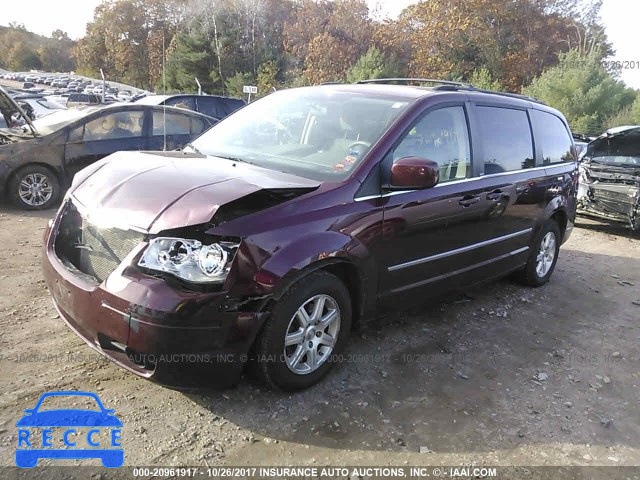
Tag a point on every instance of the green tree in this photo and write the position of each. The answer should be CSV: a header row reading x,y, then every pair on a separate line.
x,y
582,90
190,57
482,78
629,115
56,54
373,64
235,83
125,39
267,78
21,57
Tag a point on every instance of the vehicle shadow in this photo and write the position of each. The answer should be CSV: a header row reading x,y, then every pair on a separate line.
x,y
7,208
499,367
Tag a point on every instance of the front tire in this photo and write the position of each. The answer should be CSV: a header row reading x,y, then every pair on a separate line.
x,y
305,328
544,256
34,187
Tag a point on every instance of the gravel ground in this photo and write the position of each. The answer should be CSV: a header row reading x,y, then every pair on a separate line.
x,y
499,375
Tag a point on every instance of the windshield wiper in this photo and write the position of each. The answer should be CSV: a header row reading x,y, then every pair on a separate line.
x,y
233,159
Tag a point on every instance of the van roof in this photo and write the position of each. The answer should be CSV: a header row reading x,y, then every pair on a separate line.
x,y
418,87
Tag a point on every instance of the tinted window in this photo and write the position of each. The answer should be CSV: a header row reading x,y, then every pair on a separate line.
x,y
441,136
231,105
114,126
177,124
209,106
198,126
182,102
506,136
553,138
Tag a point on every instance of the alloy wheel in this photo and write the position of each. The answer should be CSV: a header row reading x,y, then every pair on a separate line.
x,y
546,254
35,189
312,334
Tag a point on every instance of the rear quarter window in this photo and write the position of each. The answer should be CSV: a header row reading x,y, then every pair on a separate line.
x,y
209,106
552,137
231,105
506,135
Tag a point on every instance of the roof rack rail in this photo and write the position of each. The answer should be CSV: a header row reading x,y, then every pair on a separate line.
x,y
451,85
471,88
419,80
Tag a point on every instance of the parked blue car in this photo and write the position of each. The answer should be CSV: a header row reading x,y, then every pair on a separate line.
x,y
28,457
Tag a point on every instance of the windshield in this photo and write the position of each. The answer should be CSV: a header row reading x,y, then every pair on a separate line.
x,y
314,133
50,123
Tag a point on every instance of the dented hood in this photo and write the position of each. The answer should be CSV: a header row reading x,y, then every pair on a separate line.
x,y
620,141
614,157
156,191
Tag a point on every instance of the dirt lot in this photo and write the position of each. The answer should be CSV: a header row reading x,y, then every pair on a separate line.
x,y
504,375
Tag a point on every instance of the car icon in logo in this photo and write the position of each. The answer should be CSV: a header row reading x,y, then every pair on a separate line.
x,y
30,450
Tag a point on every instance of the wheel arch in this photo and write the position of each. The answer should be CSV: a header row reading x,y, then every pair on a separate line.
x,y
342,268
556,210
561,217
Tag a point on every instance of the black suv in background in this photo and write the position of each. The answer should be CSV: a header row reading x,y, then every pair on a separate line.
x,y
210,105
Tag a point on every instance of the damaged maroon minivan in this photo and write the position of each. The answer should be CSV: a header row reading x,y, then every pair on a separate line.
x,y
265,241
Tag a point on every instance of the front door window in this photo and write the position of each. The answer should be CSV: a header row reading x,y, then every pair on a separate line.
x,y
441,136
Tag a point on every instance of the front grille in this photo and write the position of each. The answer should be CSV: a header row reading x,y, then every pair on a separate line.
x,y
103,249
91,250
618,195
615,198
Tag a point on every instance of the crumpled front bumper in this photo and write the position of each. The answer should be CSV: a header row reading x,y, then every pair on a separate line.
x,y
174,337
615,202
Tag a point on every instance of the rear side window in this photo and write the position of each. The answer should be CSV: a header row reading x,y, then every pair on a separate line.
x,y
507,140
112,126
552,137
231,105
177,124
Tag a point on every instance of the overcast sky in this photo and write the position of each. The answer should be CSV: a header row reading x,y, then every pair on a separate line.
x,y
71,16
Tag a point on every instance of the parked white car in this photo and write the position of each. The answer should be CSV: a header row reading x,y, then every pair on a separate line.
x,y
41,106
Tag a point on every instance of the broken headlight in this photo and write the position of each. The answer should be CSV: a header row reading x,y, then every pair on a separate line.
x,y
189,260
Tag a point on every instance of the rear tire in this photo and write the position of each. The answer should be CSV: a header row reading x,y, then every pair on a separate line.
x,y
34,187
543,257
314,319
